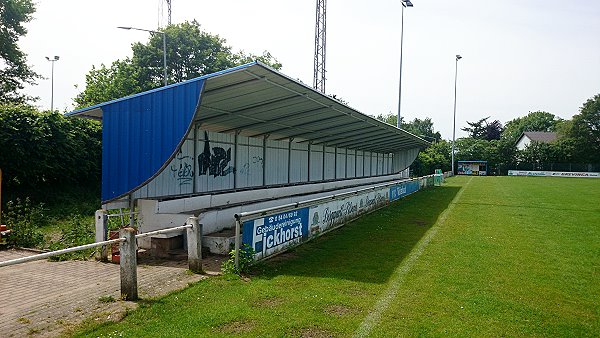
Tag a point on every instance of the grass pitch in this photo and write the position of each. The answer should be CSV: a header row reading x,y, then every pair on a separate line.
x,y
481,256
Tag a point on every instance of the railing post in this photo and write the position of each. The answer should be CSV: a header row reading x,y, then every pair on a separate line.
x,y
101,231
238,227
194,244
128,264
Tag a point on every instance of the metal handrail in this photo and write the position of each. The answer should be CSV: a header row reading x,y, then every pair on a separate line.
x,y
163,231
248,214
60,252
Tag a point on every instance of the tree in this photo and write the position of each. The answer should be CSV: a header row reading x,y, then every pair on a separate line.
x,y
534,121
484,130
436,156
584,130
191,53
422,128
47,148
14,71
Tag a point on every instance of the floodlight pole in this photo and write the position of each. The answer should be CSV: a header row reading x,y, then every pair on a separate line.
x,y
56,57
458,57
164,35
405,3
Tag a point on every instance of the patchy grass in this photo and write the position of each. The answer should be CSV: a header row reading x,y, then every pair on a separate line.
x,y
516,256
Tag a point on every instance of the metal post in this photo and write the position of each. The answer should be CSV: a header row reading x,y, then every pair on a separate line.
x,y
101,233
128,264
458,57
238,228
165,56
398,123
0,196
194,244
52,94
131,211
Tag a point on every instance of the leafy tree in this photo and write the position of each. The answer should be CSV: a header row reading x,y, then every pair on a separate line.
x,y
484,130
191,52
14,71
104,83
422,128
534,121
47,148
584,131
436,156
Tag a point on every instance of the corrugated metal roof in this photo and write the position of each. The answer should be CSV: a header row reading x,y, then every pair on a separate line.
x,y
142,132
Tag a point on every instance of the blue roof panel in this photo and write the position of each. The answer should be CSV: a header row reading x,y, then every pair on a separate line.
x,y
140,134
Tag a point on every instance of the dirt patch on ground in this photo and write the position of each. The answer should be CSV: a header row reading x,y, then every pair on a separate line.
x,y
313,332
338,310
270,302
420,222
237,327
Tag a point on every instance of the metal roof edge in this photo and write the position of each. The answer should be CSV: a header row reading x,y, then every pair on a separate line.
x,y
203,77
381,123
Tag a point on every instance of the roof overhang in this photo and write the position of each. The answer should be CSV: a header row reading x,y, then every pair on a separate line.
x,y
258,101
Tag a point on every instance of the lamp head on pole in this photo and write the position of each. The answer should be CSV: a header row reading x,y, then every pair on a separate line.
x,y
56,57
127,28
407,3
458,57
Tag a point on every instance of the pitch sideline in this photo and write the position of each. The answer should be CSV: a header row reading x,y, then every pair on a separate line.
x,y
383,303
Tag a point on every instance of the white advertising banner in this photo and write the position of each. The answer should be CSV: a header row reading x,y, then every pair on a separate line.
x,y
552,173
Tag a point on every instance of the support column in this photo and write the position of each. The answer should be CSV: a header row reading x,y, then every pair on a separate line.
x,y
128,265
194,244
101,219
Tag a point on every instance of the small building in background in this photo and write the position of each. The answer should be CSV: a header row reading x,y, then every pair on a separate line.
x,y
474,168
538,136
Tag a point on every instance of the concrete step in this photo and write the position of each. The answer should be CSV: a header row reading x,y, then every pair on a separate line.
x,y
220,242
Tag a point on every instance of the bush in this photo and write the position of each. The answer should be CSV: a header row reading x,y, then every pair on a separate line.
x,y
24,219
76,231
246,260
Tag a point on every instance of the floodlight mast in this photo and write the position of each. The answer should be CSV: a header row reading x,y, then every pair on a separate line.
x,y
56,58
405,3
458,57
320,46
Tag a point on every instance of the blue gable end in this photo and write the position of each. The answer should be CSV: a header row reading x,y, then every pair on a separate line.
x,y
140,134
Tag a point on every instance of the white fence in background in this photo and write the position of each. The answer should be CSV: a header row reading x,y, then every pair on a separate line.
x,y
552,173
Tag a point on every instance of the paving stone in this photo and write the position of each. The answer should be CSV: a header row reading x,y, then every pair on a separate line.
x,y
47,298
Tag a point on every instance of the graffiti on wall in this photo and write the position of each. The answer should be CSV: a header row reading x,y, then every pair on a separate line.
x,y
182,169
215,162
255,162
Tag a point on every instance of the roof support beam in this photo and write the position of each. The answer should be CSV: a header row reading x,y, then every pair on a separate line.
x,y
360,131
234,114
322,131
290,117
371,141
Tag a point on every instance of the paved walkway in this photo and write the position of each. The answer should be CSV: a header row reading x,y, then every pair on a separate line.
x,y
46,299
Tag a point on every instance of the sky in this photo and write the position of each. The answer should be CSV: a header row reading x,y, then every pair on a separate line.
x,y
518,56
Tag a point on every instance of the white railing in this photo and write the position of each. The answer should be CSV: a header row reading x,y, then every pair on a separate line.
x,y
128,253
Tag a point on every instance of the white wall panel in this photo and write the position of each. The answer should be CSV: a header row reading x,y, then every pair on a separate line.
x,y
360,164
340,166
276,162
216,161
316,163
351,163
329,163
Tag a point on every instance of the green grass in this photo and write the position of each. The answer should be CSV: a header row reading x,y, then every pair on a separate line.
x,y
516,256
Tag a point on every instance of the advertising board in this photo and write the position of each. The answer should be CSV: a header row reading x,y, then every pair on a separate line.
x,y
270,234
552,173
